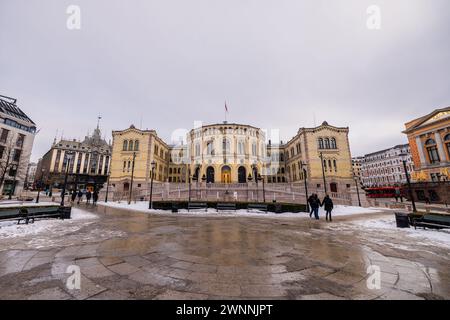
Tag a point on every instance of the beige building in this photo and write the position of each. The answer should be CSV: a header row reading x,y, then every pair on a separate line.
x,y
133,151
86,162
429,139
233,153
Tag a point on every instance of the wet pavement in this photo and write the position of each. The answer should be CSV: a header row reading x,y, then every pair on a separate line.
x,y
132,255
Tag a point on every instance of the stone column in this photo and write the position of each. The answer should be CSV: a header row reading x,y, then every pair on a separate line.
x,y
420,150
440,146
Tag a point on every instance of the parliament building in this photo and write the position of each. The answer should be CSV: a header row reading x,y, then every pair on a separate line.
x,y
231,153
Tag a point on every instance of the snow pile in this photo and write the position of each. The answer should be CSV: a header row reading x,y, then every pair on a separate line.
x,y
339,210
19,204
10,229
430,237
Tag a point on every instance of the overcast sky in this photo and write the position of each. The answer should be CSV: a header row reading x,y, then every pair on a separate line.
x,y
278,63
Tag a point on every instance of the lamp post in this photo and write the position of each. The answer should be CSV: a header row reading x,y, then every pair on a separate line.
x,y
132,177
69,158
264,192
15,167
249,179
255,174
305,174
408,181
357,189
107,187
189,181
150,203
41,183
323,173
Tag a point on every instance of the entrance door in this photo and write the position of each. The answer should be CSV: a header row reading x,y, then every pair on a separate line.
x,y
242,175
226,174
210,175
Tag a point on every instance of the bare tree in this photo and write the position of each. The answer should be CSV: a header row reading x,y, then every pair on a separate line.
x,y
9,158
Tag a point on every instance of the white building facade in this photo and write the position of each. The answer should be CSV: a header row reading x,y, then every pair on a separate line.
x,y
385,167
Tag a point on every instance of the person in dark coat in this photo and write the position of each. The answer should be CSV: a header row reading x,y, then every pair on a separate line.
x,y
88,197
74,195
310,200
328,206
80,195
95,197
315,204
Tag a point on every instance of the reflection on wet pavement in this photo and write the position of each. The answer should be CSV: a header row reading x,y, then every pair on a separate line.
x,y
130,255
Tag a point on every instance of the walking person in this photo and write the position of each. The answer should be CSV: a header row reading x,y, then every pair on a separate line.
x,y
310,200
328,206
74,196
95,197
315,204
88,197
80,195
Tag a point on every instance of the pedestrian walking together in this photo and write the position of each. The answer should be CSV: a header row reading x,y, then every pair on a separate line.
x,y
314,204
88,197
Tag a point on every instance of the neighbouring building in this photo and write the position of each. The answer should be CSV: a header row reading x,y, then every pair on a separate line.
x,y
31,174
86,162
356,168
16,143
385,167
231,153
429,138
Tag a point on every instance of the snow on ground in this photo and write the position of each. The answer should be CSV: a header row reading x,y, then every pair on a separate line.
x,y
425,236
339,210
18,204
10,229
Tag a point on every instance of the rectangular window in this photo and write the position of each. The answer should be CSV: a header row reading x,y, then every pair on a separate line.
x,y
20,140
2,150
17,154
4,135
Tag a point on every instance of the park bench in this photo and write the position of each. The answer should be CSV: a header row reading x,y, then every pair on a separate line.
x,y
197,206
33,213
257,206
226,206
432,221
10,214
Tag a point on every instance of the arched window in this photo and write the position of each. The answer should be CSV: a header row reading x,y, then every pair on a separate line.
x,y
327,143
253,149
136,145
130,145
447,144
333,143
433,154
125,145
320,143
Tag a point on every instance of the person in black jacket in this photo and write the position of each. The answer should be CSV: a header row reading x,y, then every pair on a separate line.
x,y
328,206
315,204
79,195
88,197
95,197
310,201
74,195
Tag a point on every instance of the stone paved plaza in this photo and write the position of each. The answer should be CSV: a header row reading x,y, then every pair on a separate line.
x,y
132,255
